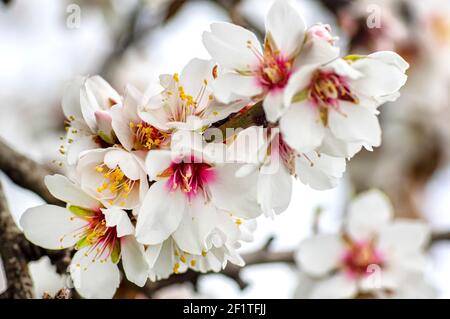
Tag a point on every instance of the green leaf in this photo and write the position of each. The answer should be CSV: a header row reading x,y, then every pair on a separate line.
x,y
81,212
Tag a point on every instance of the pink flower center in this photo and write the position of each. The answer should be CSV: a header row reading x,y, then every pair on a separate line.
x,y
189,176
359,257
274,70
327,89
100,238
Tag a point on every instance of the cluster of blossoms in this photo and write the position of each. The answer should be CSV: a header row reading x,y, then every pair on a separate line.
x,y
373,256
150,189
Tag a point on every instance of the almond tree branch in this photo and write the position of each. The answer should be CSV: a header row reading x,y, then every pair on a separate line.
x,y
19,284
252,116
25,172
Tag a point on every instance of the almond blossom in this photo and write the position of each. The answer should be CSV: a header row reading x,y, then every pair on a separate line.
x,y
102,237
263,72
266,152
114,176
187,101
167,258
132,132
86,103
192,184
334,106
373,255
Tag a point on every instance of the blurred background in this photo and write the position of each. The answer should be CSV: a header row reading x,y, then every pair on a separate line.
x,y
45,43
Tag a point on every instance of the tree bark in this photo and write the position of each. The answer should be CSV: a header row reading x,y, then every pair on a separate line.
x,y
18,278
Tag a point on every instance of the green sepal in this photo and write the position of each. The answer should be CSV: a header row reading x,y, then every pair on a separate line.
x,y
354,57
115,254
106,138
300,96
83,242
80,211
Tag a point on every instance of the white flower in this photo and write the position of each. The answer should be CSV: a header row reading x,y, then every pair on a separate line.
x,y
186,101
276,162
102,236
256,72
374,255
191,185
86,104
114,176
335,105
167,258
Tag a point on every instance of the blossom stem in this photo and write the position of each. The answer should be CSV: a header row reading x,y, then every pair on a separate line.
x,y
252,116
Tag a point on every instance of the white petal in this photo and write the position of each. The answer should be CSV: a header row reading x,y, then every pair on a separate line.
x,y
343,68
403,237
79,145
96,280
51,227
160,214
392,58
64,189
336,287
157,116
320,254
133,260
338,148
301,127
71,98
285,27
197,223
131,102
217,111
121,126
118,218
163,266
228,45
126,161
152,253
316,51
156,162
319,172
194,76
231,86
274,188
384,74
355,123
233,194
104,94
298,82
368,213
273,105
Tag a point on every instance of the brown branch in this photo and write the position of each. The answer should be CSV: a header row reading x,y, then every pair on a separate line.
x,y
25,172
439,236
19,283
253,116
